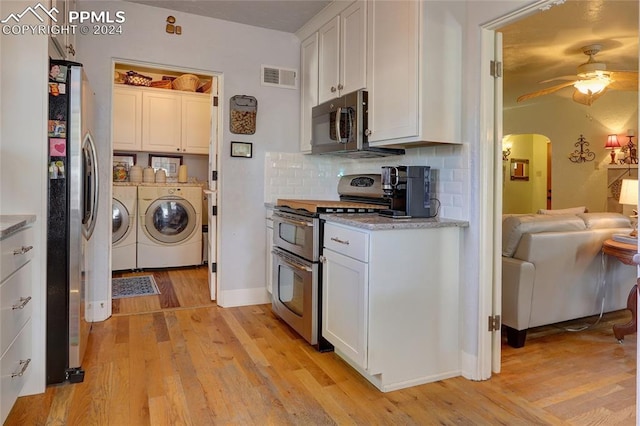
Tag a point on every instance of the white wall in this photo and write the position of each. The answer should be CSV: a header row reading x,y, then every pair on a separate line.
x,y
206,44
23,159
563,121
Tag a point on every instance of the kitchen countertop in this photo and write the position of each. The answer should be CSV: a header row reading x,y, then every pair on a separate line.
x,y
203,184
10,224
375,222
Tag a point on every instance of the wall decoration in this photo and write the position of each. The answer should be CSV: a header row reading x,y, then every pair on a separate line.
x,y
170,164
582,154
242,116
242,149
125,158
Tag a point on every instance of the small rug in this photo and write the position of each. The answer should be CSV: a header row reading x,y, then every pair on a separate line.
x,y
143,285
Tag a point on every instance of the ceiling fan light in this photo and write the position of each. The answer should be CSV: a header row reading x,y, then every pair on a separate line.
x,y
593,85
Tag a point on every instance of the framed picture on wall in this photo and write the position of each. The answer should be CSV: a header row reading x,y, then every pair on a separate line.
x,y
124,158
169,163
242,149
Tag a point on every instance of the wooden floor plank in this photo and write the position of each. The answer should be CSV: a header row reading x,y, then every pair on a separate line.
x,y
211,365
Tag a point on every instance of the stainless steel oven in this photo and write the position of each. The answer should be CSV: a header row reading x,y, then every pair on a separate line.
x,y
297,234
295,293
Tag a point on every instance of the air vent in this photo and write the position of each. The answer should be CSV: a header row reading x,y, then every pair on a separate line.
x,y
279,77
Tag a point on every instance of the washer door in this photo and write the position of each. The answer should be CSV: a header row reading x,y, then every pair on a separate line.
x,y
119,220
170,220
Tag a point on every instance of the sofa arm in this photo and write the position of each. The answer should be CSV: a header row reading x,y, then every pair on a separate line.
x,y
517,292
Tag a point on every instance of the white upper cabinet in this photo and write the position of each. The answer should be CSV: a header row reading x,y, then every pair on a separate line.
x,y
342,53
127,119
158,120
415,75
308,88
65,41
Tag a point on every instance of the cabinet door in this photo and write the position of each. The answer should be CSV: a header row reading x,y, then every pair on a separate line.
x,y
196,124
127,116
345,299
161,122
64,42
329,60
353,48
308,88
393,70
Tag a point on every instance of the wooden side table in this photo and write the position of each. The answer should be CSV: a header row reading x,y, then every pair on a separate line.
x,y
624,253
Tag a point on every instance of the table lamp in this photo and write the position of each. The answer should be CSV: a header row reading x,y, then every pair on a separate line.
x,y
629,195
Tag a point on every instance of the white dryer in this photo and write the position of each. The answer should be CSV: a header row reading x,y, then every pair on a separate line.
x,y
169,226
124,228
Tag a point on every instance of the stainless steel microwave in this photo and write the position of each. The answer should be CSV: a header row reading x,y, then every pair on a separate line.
x,y
339,127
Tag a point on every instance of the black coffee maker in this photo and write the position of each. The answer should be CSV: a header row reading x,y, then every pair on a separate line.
x,y
407,189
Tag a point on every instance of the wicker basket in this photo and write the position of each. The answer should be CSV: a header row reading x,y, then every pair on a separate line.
x,y
205,88
135,79
186,82
161,84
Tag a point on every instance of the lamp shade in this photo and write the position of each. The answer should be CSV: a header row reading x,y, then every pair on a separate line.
x,y
629,192
612,142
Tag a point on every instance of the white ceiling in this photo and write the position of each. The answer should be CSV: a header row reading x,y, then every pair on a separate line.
x,y
548,44
281,15
544,45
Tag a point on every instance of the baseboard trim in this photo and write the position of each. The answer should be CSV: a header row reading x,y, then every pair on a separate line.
x,y
243,297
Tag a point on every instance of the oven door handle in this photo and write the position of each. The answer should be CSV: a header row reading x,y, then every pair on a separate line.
x,y
290,263
292,221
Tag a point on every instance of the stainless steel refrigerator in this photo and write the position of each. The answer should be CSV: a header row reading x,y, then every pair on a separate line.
x,y
72,209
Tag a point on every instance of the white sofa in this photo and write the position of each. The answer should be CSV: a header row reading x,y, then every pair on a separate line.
x,y
552,270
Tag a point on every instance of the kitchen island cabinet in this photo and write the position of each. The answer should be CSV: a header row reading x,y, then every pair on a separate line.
x,y
391,300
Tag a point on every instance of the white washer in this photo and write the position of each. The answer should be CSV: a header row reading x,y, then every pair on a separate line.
x,y
169,226
124,230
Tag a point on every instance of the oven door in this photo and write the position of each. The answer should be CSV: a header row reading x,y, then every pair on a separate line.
x,y
294,295
297,234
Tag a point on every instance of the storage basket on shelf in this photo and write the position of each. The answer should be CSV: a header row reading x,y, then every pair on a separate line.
x,y
161,84
135,79
186,82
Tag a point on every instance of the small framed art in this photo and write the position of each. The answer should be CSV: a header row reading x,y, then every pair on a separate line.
x,y
242,149
124,158
169,163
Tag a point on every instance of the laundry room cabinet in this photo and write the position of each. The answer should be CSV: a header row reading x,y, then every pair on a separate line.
x,y
158,120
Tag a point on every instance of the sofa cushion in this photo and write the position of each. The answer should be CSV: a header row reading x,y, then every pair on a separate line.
x,y
605,220
571,210
514,226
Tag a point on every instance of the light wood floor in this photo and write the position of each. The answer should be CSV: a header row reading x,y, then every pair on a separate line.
x,y
243,366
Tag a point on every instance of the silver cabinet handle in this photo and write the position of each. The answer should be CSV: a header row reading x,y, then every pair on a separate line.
x,y
23,303
340,87
333,89
368,132
25,364
22,250
339,241
322,259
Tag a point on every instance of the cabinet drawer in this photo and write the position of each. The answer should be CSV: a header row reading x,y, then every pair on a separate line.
x,y
15,250
15,370
347,241
15,305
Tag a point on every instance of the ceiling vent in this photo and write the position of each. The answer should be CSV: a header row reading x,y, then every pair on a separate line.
x,y
279,77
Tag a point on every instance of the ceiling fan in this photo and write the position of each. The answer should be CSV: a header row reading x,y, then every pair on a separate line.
x,y
591,81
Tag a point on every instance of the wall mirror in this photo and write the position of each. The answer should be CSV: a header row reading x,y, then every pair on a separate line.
x,y
519,169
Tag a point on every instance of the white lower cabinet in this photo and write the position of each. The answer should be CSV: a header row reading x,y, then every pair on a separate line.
x,y
391,302
16,252
268,248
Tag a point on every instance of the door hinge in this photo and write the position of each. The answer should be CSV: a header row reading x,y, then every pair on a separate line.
x,y
496,69
494,323
214,210
215,101
214,267
214,175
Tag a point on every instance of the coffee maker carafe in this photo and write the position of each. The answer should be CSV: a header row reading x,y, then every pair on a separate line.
x,y
407,189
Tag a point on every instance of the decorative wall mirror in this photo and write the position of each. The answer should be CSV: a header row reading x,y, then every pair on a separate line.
x,y
519,169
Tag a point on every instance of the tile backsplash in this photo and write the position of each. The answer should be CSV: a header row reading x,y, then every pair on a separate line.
x,y
303,176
